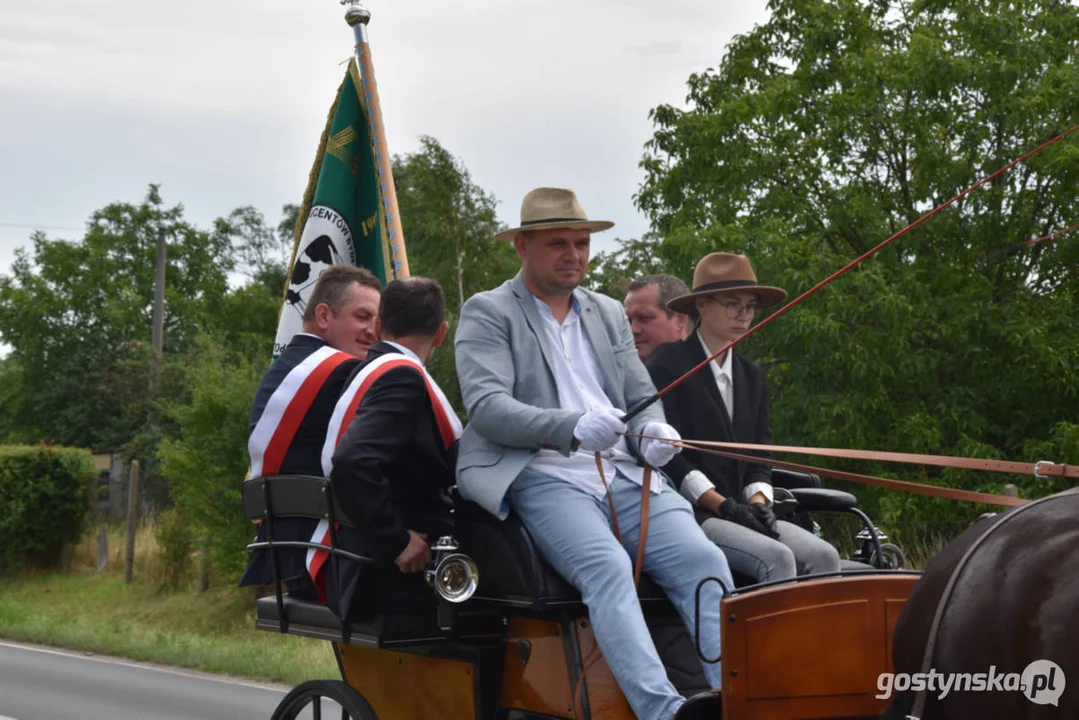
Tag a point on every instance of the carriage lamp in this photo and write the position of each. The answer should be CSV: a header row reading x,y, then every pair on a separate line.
x,y
452,574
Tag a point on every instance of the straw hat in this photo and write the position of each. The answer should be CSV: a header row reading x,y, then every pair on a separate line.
x,y
547,208
724,272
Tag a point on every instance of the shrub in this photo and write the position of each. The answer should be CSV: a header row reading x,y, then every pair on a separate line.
x,y
175,544
44,502
206,465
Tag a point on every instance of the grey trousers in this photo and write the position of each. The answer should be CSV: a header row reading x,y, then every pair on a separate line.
x,y
797,552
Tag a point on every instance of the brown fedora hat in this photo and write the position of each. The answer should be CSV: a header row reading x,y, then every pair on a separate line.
x,y
547,208
724,272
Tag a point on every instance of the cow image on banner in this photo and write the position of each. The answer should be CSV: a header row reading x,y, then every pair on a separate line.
x,y
349,210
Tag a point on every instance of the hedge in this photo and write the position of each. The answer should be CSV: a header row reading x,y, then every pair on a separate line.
x,y
45,496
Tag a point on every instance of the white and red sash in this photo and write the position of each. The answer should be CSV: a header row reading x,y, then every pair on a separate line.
x,y
449,427
286,408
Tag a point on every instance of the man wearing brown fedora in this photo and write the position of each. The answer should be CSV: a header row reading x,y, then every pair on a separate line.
x,y
547,369
728,402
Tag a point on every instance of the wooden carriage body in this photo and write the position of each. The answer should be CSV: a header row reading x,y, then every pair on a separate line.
x,y
806,648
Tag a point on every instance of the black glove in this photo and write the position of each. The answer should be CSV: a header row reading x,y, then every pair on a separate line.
x,y
765,514
738,513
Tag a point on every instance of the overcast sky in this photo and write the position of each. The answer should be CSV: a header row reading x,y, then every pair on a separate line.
x,y
222,102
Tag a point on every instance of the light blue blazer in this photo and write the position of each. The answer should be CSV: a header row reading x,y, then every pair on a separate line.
x,y
507,381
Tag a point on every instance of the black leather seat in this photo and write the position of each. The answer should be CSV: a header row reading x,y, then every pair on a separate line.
x,y
824,499
512,572
314,620
792,479
319,621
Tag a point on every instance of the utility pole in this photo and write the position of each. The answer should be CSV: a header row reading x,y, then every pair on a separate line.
x,y
132,521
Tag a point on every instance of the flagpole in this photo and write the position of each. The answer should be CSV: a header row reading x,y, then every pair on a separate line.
x,y
357,16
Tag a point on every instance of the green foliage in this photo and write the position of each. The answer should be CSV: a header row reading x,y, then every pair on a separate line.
x,y
449,225
175,543
68,308
44,500
207,462
829,128
611,272
78,317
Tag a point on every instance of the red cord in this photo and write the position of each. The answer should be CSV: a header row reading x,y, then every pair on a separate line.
x,y
1050,236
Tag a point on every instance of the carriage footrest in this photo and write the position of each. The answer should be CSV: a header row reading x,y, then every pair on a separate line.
x,y
318,621
824,499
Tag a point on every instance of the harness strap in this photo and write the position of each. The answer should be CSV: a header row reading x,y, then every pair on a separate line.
x,y
904,485
927,660
1040,469
646,485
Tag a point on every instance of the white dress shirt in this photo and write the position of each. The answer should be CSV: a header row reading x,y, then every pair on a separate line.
x,y
404,351
577,376
696,483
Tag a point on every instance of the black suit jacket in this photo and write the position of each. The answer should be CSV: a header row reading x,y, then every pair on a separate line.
x,y
391,470
695,408
304,455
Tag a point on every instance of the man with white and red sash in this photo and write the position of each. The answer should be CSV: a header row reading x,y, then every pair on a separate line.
x,y
390,454
293,404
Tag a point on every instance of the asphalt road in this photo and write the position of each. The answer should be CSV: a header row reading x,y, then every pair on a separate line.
x,y
45,684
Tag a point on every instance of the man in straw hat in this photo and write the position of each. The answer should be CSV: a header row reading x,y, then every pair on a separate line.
x,y
546,370
728,402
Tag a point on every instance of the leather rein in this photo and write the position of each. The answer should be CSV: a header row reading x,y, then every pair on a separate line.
x,y
646,485
1041,469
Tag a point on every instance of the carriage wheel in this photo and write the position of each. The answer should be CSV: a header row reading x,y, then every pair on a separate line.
x,y
341,697
894,559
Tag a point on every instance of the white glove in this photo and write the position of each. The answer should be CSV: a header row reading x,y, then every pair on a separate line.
x,y
597,429
656,452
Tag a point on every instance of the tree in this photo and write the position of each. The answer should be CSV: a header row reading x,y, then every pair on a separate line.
x,y
68,307
611,272
449,225
207,459
832,126
82,370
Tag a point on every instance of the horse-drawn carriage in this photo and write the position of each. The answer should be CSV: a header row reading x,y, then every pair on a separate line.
x,y
510,639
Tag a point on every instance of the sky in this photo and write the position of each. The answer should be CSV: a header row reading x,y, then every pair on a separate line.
x,y
222,102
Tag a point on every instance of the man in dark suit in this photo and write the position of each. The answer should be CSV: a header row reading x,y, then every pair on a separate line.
x,y
649,319
394,462
292,406
728,402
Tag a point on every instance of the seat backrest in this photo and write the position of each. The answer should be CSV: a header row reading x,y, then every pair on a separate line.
x,y
792,479
291,496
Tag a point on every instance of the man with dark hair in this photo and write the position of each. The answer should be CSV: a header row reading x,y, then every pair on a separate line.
x,y
305,382
394,464
652,323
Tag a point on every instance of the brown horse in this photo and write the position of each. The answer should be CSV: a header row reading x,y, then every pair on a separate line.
x,y
1014,602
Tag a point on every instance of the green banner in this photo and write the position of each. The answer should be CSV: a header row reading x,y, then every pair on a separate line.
x,y
343,214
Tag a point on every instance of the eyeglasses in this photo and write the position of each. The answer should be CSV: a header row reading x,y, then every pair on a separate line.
x,y
735,308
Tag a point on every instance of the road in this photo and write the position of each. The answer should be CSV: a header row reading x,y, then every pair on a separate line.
x,y
39,683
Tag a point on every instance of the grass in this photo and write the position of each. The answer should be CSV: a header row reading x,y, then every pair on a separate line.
x,y
96,612
919,548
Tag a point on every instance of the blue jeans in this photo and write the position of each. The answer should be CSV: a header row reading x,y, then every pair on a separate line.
x,y
574,533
